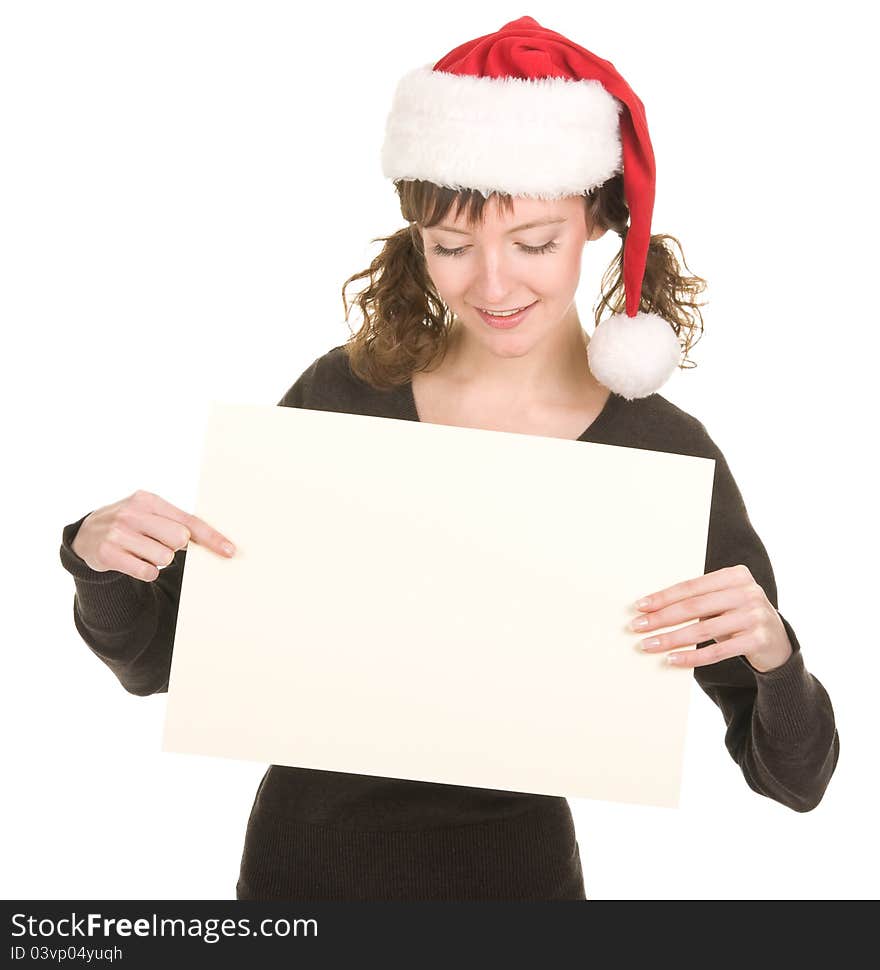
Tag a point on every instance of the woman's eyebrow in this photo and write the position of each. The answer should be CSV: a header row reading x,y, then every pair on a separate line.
x,y
525,225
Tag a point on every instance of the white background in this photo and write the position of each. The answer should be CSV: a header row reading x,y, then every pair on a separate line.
x,y
185,186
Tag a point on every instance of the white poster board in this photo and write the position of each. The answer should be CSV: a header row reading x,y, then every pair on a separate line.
x,y
435,603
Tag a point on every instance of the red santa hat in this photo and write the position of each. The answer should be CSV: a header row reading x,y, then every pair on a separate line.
x,y
528,112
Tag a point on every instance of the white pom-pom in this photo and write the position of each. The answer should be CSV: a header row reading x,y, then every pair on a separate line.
x,y
633,356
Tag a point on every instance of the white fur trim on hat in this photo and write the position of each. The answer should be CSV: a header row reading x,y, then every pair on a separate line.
x,y
633,356
544,138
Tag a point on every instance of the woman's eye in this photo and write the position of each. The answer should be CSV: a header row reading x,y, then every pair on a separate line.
x,y
535,250
442,251
546,248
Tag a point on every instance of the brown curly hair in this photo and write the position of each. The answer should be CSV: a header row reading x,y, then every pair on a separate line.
x,y
406,323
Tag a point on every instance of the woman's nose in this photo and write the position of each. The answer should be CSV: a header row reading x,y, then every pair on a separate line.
x,y
494,279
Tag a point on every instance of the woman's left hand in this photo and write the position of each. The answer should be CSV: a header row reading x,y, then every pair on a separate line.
x,y
731,608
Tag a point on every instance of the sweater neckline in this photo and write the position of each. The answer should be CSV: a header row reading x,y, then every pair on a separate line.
x,y
609,410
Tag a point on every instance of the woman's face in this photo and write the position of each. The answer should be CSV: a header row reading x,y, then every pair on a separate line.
x,y
501,265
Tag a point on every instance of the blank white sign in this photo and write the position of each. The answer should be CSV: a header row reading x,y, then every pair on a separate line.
x,y
435,603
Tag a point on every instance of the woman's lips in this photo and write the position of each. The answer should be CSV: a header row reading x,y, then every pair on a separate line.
x,y
504,323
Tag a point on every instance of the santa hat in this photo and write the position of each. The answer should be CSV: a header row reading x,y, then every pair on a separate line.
x,y
528,112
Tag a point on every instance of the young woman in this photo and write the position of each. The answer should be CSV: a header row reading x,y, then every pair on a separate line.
x,y
509,156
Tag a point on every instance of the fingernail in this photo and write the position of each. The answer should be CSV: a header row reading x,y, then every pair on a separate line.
x,y
228,548
643,602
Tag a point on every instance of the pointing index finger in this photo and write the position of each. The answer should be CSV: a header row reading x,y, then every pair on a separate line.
x,y
199,530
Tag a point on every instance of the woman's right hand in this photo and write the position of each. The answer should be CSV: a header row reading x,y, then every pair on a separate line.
x,y
139,536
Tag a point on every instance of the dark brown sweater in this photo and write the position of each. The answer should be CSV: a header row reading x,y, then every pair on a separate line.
x,y
327,835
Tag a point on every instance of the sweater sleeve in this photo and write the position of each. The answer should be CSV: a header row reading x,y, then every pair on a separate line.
x,y
780,723
128,623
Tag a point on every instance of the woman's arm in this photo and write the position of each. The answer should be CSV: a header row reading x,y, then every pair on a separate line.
x,y
780,724
129,624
